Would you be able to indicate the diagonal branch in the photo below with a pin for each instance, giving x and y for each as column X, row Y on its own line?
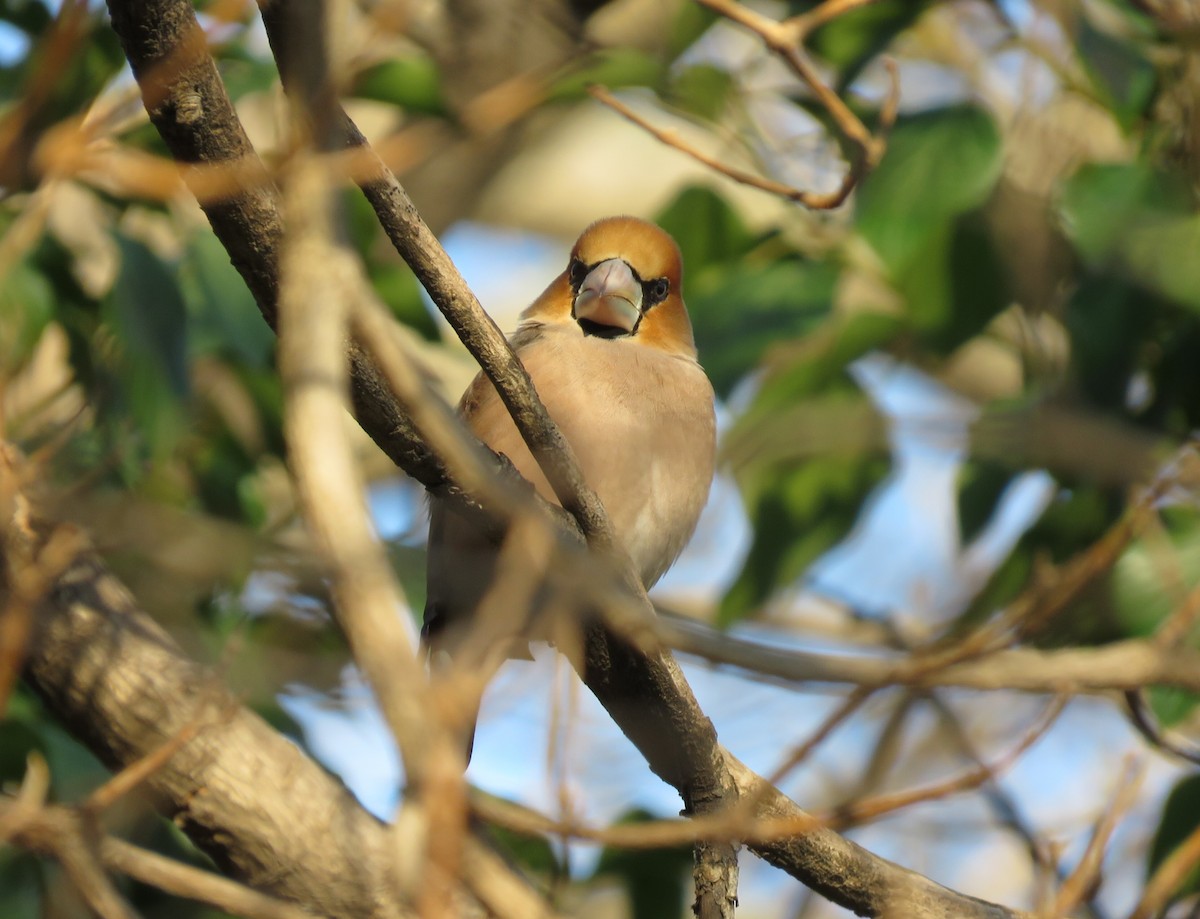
column 645, row 693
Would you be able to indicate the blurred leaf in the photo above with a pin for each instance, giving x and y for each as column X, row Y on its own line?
column 244, row 72
column 689, row 24
column 1138, row 220
column 853, row 40
column 74, row 771
column 20, row 885
column 1104, row 317
column 981, row 486
column 397, row 287
column 17, row 741
column 1180, row 817
column 801, row 510
column 701, row 89
column 956, row 285
column 611, row 67
column 223, row 318
column 654, row 878
column 410, row 82
column 740, row 311
column 938, row 165
column 837, row 423
column 83, row 63
column 26, row 308
column 798, row 513
column 707, row 230
column 1171, row 705
column 146, row 311
column 1153, row 575
column 1122, row 76
column 817, row 364
column 30, row 16
column 531, row 851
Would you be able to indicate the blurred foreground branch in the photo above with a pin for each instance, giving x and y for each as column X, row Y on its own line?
column 121, row 686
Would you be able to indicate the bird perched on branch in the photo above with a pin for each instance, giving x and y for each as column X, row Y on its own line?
column 610, row 351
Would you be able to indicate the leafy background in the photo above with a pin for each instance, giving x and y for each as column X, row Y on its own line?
column 1026, row 252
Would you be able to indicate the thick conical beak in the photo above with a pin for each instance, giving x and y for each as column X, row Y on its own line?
column 610, row 296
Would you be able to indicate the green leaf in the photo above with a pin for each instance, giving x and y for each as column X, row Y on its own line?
column 707, row 229
column 938, row 165
column 26, row 308
column 654, row 878
column 17, row 741
column 1149, row 577
column 1123, row 77
column 849, row 42
column 410, row 82
column 1104, row 316
column 222, row 315
column 955, row 286
column 817, row 364
column 20, row 885
column 30, row 16
column 1171, row 705
column 701, row 90
column 690, row 23
column 397, row 287
column 531, row 851
column 145, row 309
column 1139, row 222
column 798, row 514
column 611, row 67
column 1180, row 817
column 244, row 72
column 741, row 310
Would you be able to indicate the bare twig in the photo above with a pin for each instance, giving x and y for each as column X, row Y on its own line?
column 1087, row 873
column 181, row 880
column 139, row 770
column 1168, row 877
column 1122, row 665
column 64, row 835
column 867, row 809
column 815, row 200
column 46, row 828
column 785, row 39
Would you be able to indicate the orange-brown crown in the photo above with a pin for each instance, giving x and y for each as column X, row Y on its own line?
column 651, row 253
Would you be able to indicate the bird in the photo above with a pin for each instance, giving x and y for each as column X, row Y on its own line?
column 609, row 348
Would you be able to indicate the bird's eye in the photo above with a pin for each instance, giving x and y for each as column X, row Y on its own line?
column 656, row 291
column 576, row 272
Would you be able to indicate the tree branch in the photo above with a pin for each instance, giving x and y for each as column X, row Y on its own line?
column 645, row 694
column 1119, row 666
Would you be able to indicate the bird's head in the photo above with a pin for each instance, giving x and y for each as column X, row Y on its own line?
column 622, row 281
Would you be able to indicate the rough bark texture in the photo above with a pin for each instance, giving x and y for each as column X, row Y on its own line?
column 248, row 796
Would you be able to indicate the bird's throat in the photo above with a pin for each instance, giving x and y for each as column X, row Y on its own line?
column 598, row 330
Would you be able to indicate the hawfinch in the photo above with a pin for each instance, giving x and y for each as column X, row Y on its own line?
column 609, row 348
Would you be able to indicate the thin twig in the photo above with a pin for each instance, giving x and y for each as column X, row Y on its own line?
column 785, row 39
column 1168, row 877
column 804, row 23
column 872, row 808
column 1088, row 872
column 140, row 769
